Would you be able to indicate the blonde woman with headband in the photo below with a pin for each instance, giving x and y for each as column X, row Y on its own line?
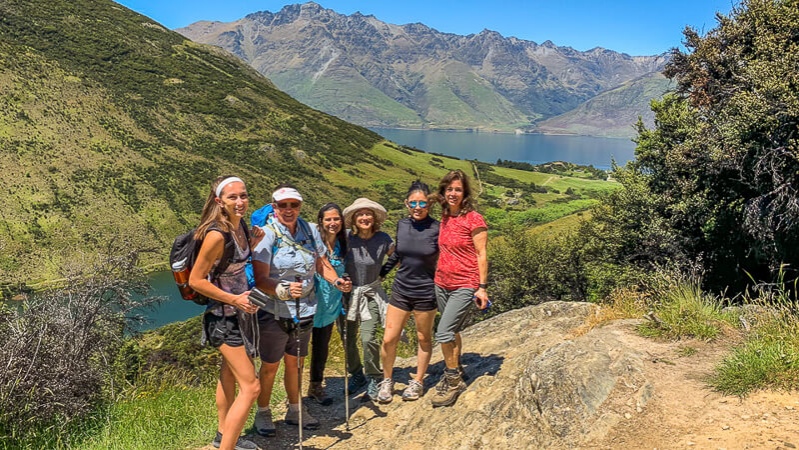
column 222, row 222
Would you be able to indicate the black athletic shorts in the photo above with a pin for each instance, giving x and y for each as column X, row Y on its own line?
column 412, row 304
column 220, row 330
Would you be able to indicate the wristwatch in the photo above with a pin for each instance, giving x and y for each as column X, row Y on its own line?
column 482, row 286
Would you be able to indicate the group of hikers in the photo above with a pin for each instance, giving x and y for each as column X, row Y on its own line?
column 310, row 277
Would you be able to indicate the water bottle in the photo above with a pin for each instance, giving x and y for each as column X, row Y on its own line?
column 181, row 271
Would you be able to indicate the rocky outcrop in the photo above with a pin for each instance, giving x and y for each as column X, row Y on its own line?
column 373, row 73
column 533, row 383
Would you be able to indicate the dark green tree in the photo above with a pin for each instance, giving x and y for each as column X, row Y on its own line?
column 722, row 161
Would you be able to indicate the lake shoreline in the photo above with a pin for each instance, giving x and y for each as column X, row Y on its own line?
column 496, row 131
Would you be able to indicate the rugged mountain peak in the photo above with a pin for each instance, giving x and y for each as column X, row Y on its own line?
column 374, row 73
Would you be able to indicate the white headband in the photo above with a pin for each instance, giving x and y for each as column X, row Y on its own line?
column 225, row 182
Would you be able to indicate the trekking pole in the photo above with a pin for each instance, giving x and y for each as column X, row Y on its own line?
column 298, row 279
column 344, row 307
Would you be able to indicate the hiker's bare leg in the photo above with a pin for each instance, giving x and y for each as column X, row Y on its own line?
column 241, row 366
column 267, row 378
column 290, row 378
column 424, row 334
column 225, row 392
column 395, row 322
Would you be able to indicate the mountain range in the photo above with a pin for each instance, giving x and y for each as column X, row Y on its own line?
column 377, row 74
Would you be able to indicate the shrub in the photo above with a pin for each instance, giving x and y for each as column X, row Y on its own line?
column 57, row 346
column 682, row 310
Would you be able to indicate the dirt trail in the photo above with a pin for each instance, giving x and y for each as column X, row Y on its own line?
column 685, row 414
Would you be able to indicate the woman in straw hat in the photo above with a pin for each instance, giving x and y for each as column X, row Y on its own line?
column 368, row 247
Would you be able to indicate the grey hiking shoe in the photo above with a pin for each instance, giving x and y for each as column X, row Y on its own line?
column 263, row 423
column 241, row 443
column 414, row 390
column 317, row 392
column 373, row 389
column 357, row 381
column 385, row 390
column 308, row 421
column 447, row 392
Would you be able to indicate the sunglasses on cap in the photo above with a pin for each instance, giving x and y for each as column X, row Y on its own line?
column 417, row 204
column 287, row 205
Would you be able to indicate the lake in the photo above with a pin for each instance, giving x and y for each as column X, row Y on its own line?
column 487, row 147
column 174, row 308
column 531, row 148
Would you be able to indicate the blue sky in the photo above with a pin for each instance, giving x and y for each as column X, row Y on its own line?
column 640, row 27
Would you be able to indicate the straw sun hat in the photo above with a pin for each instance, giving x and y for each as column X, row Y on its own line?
column 364, row 203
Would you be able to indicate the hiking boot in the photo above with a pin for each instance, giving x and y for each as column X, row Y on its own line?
column 308, row 421
column 373, row 389
column 263, row 423
column 462, row 372
column 385, row 390
column 357, row 381
column 414, row 390
column 241, row 443
column 317, row 392
column 447, row 392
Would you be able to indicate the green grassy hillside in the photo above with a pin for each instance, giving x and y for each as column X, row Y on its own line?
column 111, row 128
column 111, row 125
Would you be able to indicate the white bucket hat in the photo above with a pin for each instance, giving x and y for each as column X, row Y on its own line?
column 365, row 203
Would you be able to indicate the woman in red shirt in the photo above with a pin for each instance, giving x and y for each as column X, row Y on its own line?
column 461, row 276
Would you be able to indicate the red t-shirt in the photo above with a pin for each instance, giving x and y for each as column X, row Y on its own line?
column 457, row 260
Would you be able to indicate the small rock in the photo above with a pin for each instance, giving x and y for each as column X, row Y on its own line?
column 788, row 444
column 689, row 443
column 725, row 427
column 790, row 408
column 628, row 415
column 745, row 417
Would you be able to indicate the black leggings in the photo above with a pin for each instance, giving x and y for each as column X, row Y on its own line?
column 320, row 344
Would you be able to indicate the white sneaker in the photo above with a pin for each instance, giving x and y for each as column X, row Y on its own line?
column 414, row 390
column 385, row 391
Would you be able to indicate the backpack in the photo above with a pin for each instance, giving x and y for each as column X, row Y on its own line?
column 185, row 249
column 265, row 216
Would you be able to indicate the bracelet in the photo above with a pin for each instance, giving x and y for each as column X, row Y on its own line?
column 482, row 286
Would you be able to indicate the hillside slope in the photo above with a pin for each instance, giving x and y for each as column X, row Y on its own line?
column 111, row 127
column 378, row 74
column 612, row 113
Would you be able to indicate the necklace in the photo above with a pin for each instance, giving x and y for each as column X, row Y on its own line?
column 241, row 238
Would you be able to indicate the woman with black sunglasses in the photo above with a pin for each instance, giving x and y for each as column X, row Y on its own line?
column 412, row 292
